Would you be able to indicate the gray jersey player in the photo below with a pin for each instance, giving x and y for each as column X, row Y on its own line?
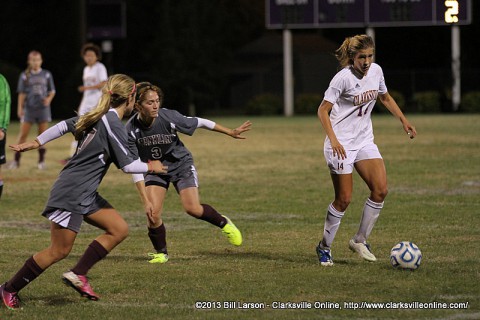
column 153, row 133
column 74, row 198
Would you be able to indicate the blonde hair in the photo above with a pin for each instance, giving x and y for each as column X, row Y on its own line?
column 115, row 92
column 350, row 46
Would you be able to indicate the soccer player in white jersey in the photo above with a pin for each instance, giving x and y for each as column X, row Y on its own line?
column 94, row 78
column 345, row 115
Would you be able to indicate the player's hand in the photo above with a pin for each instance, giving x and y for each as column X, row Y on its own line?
column 25, row 146
column 81, row 89
column 148, row 207
column 46, row 101
column 157, row 167
column 410, row 130
column 20, row 113
column 2, row 135
column 338, row 150
column 236, row 133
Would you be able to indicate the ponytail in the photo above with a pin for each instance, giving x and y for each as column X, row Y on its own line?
column 350, row 46
column 115, row 92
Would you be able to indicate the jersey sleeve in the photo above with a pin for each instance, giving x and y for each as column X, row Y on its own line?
column 21, row 83
column 50, row 83
column 181, row 123
column 102, row 73
column 335, row 88
column 382, row 88
column 132, row 146
column 117, row 140
column 5, row 100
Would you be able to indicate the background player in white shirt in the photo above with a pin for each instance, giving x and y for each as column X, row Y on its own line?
column 94, row 78
column 345, row 114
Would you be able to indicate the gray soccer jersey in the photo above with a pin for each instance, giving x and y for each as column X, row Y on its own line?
column 36, row 87
column 161, row 141
column 106, row 142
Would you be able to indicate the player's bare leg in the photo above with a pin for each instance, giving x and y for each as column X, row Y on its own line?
column 374, row 174
column 22, row 137
column 116, row 230
column 343, row 186
column 191, row 203
column 61, row 244
column 156, row 228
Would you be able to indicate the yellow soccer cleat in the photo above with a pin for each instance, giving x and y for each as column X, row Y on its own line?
column 233, row 234
column 158, row 257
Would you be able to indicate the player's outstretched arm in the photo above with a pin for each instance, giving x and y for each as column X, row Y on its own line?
column 26, row 146
column 234, row 133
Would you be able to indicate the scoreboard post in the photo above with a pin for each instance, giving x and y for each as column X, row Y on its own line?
column 311, row 14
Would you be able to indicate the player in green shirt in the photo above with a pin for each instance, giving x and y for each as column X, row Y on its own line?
column 4, row 121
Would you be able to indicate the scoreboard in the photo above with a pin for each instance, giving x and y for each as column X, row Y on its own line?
column 305, row 14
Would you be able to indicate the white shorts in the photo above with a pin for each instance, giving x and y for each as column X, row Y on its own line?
column 345, row 166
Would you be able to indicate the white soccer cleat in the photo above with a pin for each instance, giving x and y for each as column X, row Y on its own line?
column 41, row 165
column 363, row 250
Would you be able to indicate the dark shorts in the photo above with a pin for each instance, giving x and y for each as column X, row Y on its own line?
column 37, row 115
column 3, row 158
column 73, row 220
column 186, row 179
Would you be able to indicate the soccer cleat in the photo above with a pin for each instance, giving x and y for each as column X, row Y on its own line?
column 231, row 231
column 324, row 256
column 158, row 257
column 80, row 283
column 10, row 299
column 13, row 165
column 363, row 249
column 41, row 165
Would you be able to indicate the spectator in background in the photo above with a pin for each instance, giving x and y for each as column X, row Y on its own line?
column 35, row 94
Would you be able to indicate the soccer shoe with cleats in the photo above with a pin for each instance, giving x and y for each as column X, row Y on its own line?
column 41, row 166
column 363, row 250
column 80, row 283
column 324, row 256
column 10, row 299
column 233, row 234
column 158, row 257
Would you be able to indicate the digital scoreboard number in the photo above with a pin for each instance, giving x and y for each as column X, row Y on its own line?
column 398, row 13
column 365, row 13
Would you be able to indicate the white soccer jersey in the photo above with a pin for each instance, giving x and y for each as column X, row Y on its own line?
column 353, row 100
column 92, row 76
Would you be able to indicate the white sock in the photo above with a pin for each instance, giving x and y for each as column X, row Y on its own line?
column 332, row 222
column 371, row 211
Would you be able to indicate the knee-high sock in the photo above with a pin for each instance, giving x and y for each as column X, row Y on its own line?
column 211, row 215
column 1, row 188
column 332, row 222
column 158, row 237
column 41, row 154
column 94, row 253
column 29, row 272
column 371, row 211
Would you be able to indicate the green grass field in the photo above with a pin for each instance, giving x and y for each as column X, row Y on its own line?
column 275, row 186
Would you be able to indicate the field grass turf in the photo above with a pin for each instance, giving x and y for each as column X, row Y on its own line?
column 276, row 187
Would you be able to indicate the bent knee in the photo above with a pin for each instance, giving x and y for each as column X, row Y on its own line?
column 120, row 232
column 378, row 195
column 342, row 203
column 194, row 210
column 58, row 254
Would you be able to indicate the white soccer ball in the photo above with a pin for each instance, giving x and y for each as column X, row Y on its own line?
column 406, row 255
